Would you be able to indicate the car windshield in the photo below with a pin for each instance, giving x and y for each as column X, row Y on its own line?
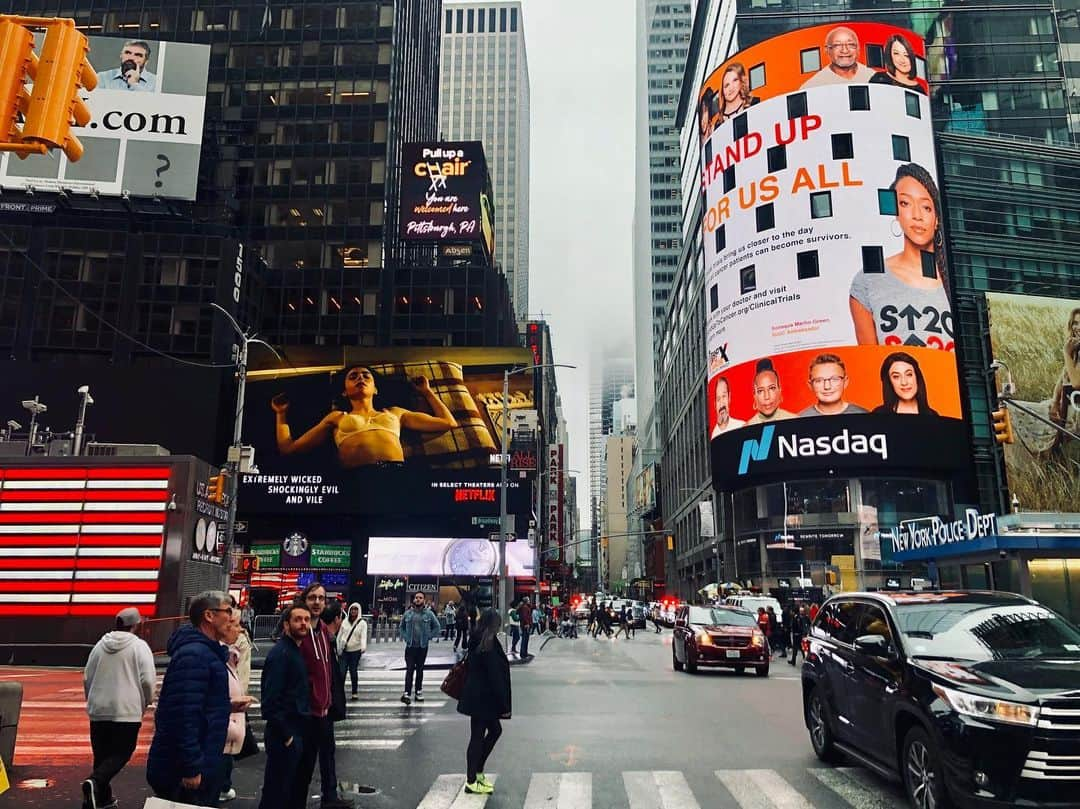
column 964, row 629
column 703, row 616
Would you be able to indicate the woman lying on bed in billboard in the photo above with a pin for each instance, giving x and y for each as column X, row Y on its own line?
column 906, row 302
column 364, row 434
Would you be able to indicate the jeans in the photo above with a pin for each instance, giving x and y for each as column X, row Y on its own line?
column 525, row 633
column 227, row 762
column 350, row 661
column 280, row 772
column 515, row 636
column 485, row 732
column 414, row 664
column 112, row 743
column 318, row 743
column 462, row 636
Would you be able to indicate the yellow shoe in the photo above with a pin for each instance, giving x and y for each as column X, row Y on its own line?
column 482, row 779
column 478, row 788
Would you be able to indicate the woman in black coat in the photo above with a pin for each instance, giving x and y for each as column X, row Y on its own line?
column 485, row 698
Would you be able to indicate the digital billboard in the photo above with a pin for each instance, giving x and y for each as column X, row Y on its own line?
column 146, row 126
column 826, row 278
column 382, row 431
column 1037, row 342
column 446, row 193
column 437, row 556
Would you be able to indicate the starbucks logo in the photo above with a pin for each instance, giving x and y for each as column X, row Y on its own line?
column 295, row 544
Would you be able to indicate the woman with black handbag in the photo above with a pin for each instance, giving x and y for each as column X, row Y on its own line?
column 485, row 698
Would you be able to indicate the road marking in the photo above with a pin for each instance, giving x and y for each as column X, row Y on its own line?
column 386, row 703
column 847, row 783
column 660, row 789
column 554, row 790
column 761, row 789
column 55, row 705
column 448, row 792
column 369, row 744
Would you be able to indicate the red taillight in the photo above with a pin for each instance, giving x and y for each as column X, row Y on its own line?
column 805, row 646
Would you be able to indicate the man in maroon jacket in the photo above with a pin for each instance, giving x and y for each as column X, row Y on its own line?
column 318, row 739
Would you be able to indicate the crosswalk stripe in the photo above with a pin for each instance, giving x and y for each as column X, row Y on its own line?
column 369, row 744
column 448, row 792
column 385, row 703
column 553, row 790
column 847, row 783
column 659, row 789
column 761, row 789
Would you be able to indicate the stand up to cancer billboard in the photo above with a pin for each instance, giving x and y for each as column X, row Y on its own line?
column 827, row 288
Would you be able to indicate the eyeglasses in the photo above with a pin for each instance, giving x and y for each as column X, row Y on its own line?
column 844, row 46
column 827, row 381
column 219, row 609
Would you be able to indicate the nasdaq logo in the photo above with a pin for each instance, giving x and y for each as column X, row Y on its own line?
column 756, row 449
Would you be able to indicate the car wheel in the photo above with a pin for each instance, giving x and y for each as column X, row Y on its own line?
column 921, row 769
column 675, row 664
column 691, row 666
column 821, row 735
column 762, row 671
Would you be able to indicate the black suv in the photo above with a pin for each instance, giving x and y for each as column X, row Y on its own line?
column 972, row 698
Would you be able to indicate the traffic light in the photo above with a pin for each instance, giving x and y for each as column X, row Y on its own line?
column 55, row 106
column 603, row 542
column 249, row 563
column 1003, row 429
column 670, row 542
column 17, row 64
column 215, row 488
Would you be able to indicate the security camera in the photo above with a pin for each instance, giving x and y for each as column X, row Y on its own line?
column 996, row 366
column 13, row 425
column 84, row 389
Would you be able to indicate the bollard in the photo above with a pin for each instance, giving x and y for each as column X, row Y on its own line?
column 11, row 697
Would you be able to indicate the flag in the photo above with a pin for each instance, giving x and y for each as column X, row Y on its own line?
column 78, row 541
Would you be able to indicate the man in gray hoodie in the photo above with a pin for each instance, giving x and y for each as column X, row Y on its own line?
column 119, row 683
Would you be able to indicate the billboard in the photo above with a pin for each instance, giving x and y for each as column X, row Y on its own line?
column 826, row 279
column 1037, row 341
column 146, row 125
column 437, row 556
column 446, row 193
column 382, row 431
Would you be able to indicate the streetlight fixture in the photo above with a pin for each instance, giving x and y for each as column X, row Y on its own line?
column 36, row 408
column 85, row 400
column 236, row 448
column 503, row 599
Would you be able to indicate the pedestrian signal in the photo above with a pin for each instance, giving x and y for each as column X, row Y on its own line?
column 215, row 488
column 1003, row 429
column 55, row 106
column 249, row 563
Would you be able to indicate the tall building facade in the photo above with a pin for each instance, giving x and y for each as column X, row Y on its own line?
column 615, row 528
column 612, row 380
column 663, row 34
column 1005, row 127
column 485, row 96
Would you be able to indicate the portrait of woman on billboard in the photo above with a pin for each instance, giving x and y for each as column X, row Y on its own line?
column 903, row 387
column 768, row 395
column 364, row 433
column 899, row 66
column 906, row 302
column 707, row 114
column 735, row 91
column 1067, row 390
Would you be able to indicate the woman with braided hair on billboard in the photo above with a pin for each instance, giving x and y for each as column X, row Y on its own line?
column 364, row 434
column 906, row 301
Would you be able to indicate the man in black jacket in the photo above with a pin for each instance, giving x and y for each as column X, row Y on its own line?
column 285, row 707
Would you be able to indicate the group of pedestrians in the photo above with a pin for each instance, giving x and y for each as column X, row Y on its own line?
column 787, row 634
column 606, row 619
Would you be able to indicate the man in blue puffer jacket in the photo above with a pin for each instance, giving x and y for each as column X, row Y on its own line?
column 184, row 763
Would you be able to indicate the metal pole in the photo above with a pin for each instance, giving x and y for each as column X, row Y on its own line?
column 503, row 602
column 233, row 462
column 80, row 424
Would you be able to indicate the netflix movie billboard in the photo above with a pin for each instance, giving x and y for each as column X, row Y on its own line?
column 382, row 431
column 145, row 132
column 826, row 286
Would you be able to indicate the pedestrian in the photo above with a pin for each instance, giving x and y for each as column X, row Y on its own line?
column 333, row 618
column 485, row 699
column 461, row 624
column 449, row 614
column 238, row 704
column 525, row 614
column 654, row 613
column 620, row 617
column 352, row 643
column 799, row 627
column 538, row 620
column 118, row 683
column 592, row 627
column 418, row 626
column 192, row 717
column 286, row 707
column 317, row 649
column 514, row 622
column 630, row 620
column 776, row 636
column 763, row 622
column 812, row 614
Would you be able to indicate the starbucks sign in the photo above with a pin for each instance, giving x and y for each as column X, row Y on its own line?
column 339, row 556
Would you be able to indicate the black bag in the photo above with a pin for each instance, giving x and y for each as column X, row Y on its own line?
column 250, row 746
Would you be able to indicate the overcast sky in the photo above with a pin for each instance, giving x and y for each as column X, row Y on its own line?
column 581, row 69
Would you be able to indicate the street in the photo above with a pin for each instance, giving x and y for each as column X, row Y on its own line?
column 597, row 723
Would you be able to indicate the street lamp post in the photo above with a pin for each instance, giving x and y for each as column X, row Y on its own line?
column 503, row 602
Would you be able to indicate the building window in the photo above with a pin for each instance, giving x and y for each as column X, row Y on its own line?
column 449, row 21
column 777, row 158
column 859, row 98
column 843, row 147
column 502, row 20
column 513, row 19
column 747, row 280
column 901, row 148
column 807, row 265
column 757, row 76
column 460, row 20
column 766, row 217
column 886, row 202
column 810, row 60
column 873, row 259
column 796, row 105
column 821, row 205
column 911, row 102
column 469, row 21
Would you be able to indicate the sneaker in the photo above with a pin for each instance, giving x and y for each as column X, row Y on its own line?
column 354, row 696
column 482, row 779
column 419, row 697
column 476, row 788
column 228, row 795
column 405, row 698
column 89, row 798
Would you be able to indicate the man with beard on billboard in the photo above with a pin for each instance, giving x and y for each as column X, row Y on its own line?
column 132, row 74
column 364, row 434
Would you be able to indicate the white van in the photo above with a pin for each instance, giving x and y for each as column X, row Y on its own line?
column 751, row 604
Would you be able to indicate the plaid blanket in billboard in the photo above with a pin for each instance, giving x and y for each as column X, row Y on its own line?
column 467, row 446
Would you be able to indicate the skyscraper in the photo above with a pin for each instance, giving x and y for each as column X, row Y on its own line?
column 612, row 380
column 663, row 35
column 485, row 97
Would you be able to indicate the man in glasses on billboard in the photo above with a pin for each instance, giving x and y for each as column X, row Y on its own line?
column 828, row 380
column 842, row 47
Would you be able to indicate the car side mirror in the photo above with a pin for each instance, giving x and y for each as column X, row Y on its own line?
column 874, row 645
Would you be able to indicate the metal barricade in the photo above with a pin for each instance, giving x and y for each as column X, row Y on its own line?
column 264, row 627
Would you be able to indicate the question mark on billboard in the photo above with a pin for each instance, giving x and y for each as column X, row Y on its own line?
column 166, row 164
